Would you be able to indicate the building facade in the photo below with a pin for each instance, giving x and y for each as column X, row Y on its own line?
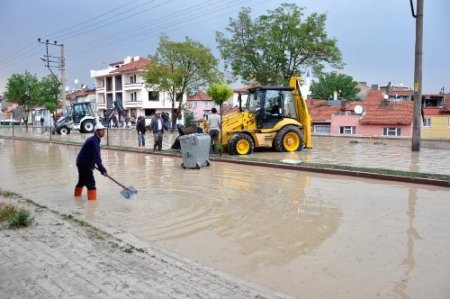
column 123, row 82
column 200, row 104
column 436, row 116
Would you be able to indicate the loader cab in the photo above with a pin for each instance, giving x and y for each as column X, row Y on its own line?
column 81, row 110
column 270, row 104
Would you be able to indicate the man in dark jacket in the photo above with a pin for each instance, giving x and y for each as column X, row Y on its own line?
column 158, row 130
column 140, row 128
column 88, row 157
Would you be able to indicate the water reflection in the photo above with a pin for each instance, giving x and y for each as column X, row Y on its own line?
column 409, row 262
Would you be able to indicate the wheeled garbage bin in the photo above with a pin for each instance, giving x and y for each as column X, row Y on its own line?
column 195, row 150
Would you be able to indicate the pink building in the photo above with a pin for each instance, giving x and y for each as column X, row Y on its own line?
column 375, row 116
column 200, row 104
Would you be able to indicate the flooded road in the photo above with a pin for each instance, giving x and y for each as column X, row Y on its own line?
column 306, row 235
column 388, row 153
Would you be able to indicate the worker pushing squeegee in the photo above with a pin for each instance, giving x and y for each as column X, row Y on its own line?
column 89, row 158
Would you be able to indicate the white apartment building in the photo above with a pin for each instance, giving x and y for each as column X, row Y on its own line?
column 123, row 82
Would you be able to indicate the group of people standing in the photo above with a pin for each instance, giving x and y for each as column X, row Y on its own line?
column 156, row 126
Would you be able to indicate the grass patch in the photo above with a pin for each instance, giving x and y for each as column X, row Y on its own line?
column 6, row 210
column 20, row 218
column 130, row 248
column 382, row 171
column 67, row 217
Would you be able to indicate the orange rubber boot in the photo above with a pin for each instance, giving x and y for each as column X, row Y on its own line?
column 92, row 194
column 78, row 191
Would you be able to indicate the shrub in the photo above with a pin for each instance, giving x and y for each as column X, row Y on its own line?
column 20, row 218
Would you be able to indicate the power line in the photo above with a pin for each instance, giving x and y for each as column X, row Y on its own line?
column 153, row 27
column 86, row 27
column 174, row 20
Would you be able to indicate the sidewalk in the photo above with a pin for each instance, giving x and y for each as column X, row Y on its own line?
column 59, row 256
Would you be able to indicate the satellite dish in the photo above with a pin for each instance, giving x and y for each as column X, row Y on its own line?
column 358, row 109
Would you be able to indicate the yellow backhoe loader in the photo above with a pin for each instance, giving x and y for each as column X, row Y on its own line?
column 273, row 117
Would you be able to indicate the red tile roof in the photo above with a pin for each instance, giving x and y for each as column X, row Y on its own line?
column 132, row 66
column 320, row 111
column 378, row 112
column 200, row 96
column 243, row 89
column 80, row 93
column 401, row 92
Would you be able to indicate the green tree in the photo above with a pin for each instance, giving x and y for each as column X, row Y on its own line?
column 278, row 45
column 49, row 90
column 178, row 67
column 23, row 89
column 219, row 93
column 329, row 83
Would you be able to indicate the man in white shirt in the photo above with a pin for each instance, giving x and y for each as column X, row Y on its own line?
column 214, row 128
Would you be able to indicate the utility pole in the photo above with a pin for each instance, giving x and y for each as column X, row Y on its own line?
column 417, row 114
column 63, row 75
column 58, row 62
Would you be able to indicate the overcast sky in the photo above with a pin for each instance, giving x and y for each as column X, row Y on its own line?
column 376, row 37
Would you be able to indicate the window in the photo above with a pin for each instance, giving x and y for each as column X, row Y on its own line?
column 391, row 132
column 347, row 130
column 133, row 97
column 194, row 105
column 133, row 79
column 433, row 101
column 322, row 129
column 207, row 103
column 179, row 96
column 109, row 84
column 100, row 83
column 427, row 122
column 153, row 95
column 118, row 81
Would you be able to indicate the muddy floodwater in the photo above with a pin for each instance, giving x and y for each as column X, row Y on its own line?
column 388, row 153
column 305, row 234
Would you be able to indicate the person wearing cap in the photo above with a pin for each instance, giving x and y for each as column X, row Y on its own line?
column 88, row 158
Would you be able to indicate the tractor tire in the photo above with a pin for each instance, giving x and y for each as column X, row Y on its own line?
column 288, row 139
column 241, row 144
column 87, row 126
column 64, row 130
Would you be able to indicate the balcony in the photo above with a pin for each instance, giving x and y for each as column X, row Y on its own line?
column 132, row 104
column 132, row 86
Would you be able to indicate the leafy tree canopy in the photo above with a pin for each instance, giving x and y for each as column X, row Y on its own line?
column 48, row 92
column 329, row 83
column 28, row 92
column 23, row 89
column 178, row 67
column 219, row 93
column 278, row 45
